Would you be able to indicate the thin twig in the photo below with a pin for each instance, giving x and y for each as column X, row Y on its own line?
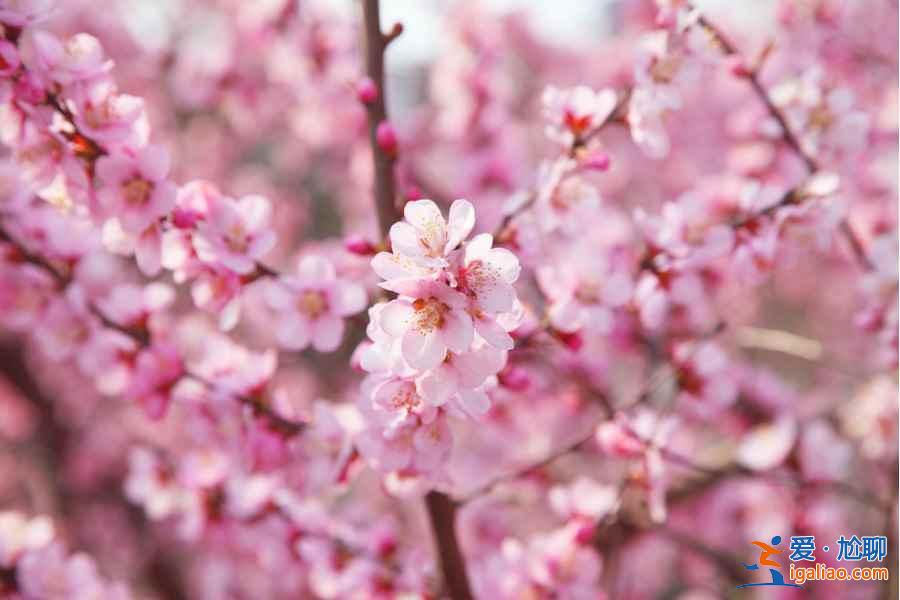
column 787, row 134
column 382, row 162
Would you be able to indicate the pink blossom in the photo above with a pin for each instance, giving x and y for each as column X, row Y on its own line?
column 425, row 237
column 312, row 305
column 486, row 275
column 156, row 372
column 430, row 318
column 135, row 190
column 460, row 377
column 19, row 13
column 236, row 233
column 105, row 115
column 79, row 58
column 574, row 113
column 584, row 294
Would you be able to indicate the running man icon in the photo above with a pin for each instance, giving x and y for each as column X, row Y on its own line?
column 766, row 551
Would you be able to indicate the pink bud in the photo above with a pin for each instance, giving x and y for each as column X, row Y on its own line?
column 664, row 20
column 386, row 138
column 572, row 341
column 599, row 161
column 413, row 192
column 737, row 67
column 514, row 378
column 185, row 219
column 386, row 546
column 359, row 245
column 584, row 532
column 366, row 90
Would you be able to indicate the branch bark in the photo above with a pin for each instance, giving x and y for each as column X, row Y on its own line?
column 442, row 514
column 382, row 162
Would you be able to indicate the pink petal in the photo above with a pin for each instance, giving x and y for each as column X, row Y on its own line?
column 474, row 402
column 327, row 333
column 148, row 252
column 279, row 296
column 294, row 333
column 313, row 268
column 348, row 298
column 437, row 385
column 154, row 162
column 423, row 351
column 492, row 333
column 255, row 211
column 457, row 332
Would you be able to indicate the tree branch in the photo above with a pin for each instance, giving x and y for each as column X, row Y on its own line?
column 729, row 49
column 441, row 508
column 442, row 514
column 382, row 162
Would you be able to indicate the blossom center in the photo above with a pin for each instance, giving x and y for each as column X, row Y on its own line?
column 430, row 314
column 431, row 236
column 137, row 191
column 588, row 292
column 478, row 277
column 821, row 118
column 405, row 398
column 312, row 303
column 576, row 124
column 236, row 238
column 664, row 70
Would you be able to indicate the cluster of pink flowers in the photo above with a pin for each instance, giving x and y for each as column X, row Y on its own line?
column 36, row 566
column 436, row 349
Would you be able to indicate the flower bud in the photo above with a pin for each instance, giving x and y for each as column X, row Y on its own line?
column 357, row 244
column 366, row 90
column 386, row 138
column 598, row 161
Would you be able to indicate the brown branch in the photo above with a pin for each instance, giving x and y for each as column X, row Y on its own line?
column 442, row 515
column 730, row 49
column 382, row 162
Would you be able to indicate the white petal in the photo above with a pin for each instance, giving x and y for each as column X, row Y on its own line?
column 462, row 220
column 396, row 317
column 422, row 214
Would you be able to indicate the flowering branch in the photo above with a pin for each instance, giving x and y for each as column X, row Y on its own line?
column 142, row 338
column 811, row 164
column 441, row 508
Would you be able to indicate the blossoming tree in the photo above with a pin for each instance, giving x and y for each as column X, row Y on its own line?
column 572, row 324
